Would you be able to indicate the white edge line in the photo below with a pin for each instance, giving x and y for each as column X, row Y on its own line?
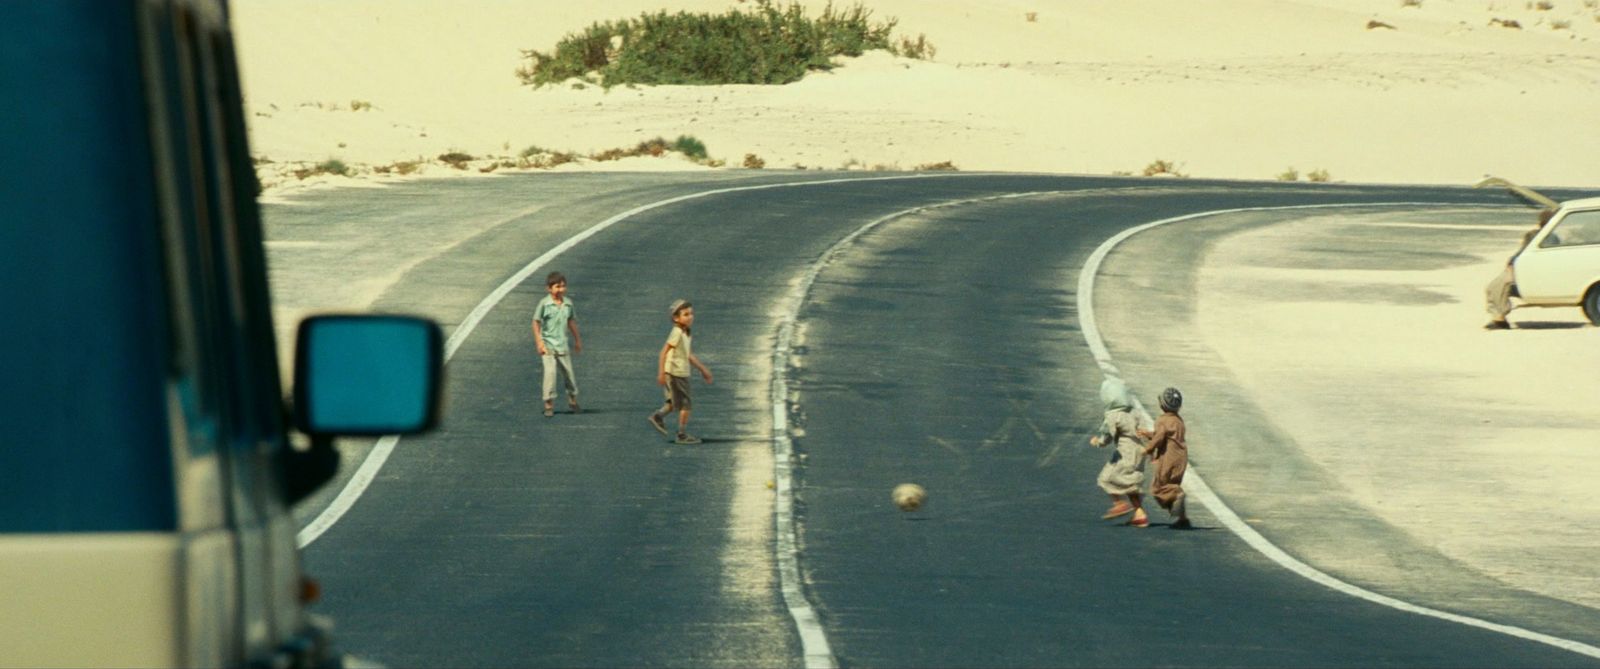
column 1206, row 496
column 814, row 641
column 357, row 485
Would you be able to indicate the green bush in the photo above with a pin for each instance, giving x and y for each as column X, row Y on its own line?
column 1159, row 167
column 768, row 44
column 690, row 147
column 332, row 166
column 456, row 159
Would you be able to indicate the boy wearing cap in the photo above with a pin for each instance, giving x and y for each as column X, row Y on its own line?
column 672, row 373
column 552, row 320
column 1171, row 454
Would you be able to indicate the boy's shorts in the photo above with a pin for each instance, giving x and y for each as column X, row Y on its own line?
column 677, row 392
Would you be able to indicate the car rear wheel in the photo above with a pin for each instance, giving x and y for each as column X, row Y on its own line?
column 1591, row 304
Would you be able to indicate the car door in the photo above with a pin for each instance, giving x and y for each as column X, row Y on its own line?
column 1562, row 261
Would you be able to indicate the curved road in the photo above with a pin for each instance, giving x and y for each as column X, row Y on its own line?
column 940, row 346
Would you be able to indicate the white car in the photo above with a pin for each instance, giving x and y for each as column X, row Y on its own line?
column 1561, row 265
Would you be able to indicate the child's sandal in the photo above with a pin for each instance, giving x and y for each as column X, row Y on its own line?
column 1118, row 509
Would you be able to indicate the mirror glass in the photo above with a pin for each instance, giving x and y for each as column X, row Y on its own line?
column 367, row 374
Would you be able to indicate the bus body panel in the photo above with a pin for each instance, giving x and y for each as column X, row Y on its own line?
column 80, row 397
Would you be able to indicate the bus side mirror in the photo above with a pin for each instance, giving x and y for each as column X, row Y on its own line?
column 367, row 375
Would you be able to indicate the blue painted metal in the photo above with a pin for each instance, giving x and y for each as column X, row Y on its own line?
column 83, row 443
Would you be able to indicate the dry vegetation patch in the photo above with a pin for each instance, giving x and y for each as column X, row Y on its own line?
column 767, row 43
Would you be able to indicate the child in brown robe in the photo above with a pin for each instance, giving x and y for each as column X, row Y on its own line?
column 1171, row 456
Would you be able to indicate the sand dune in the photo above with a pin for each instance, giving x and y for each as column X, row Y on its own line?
column 1240, row 89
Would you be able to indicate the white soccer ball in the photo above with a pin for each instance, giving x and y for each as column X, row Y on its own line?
column 909, row 496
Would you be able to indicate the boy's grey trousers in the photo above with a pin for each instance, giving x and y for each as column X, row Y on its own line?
column 564, row 361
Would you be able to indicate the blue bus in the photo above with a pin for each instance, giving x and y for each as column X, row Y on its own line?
column 146, row 465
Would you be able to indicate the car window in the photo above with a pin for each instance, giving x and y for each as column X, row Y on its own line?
column 1575, row 229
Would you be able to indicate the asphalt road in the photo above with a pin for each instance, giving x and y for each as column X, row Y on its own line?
column 941, row 346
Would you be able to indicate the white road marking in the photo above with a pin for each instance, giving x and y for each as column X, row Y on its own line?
column 1204, row 494
column 813, row 641
column 380, row 453
column 818, row 654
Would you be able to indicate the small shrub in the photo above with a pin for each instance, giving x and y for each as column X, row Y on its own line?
column 753, row 161
column 332, row 166
column 1561, row 25
column 1410, row 3
column 404, row 167
column 489, row 168
column 651, row 147
column 654, row 147
column 1289, row 175
column 1544, row 5
column 919, row 48
column 533, row 150
column 766, row 43
column 456, row 159
column 945, row 166
column 360, row 105
column 1506, row 23
column 329, row 166
column 1159, row 167
column 1319, row 175
column 1032, row 17
column 689, row 146
column 1375, row 24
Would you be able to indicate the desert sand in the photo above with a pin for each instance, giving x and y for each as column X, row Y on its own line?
column 1477, row 443
column 1247, row 89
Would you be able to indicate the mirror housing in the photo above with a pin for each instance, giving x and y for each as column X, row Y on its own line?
column 367, row 375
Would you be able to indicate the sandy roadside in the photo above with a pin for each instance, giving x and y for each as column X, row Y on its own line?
column 1362, row 338
column 1344, row 399
column 1250, row 89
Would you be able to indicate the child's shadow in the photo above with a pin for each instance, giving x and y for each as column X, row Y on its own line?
column 1191, row 528
column 1548, row 325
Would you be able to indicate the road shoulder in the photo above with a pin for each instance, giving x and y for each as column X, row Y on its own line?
column 1343, row 400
